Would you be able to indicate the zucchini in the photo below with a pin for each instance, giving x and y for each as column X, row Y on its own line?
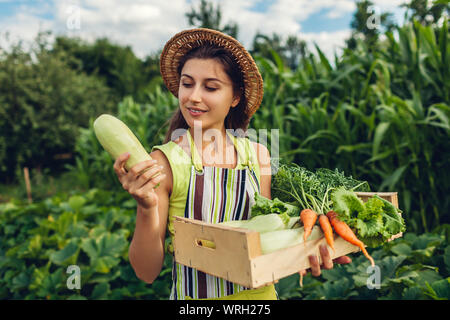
column 116, row 138
column 261, row 223
column 280, row 239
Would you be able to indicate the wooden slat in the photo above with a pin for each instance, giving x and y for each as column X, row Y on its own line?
column 270, row 267
column 389, row 196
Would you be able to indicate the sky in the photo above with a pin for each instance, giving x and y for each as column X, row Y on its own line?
column 146, row 25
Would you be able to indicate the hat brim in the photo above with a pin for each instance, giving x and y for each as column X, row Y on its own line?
column 185, row 41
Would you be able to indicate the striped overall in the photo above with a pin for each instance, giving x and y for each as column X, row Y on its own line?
column 214, row 195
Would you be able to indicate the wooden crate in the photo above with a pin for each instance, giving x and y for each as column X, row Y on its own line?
column 237, row 254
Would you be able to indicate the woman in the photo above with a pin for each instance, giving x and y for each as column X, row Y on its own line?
column 207, row 169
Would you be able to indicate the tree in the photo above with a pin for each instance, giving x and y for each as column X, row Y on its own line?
column 295, row 50
column 43, row 103
column 263, row 44
column 427, row 12
column 291, row 50
column 208, row 16
column 367, row 24
column 117, row 65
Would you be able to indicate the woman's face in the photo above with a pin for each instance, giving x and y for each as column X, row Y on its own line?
column 205, row 87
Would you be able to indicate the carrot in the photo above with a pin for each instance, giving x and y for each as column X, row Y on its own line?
column 308, row 218
column 327, row 230
column 344, row 231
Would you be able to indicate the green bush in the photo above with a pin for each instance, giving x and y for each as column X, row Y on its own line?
column 116, row 65
column 38, row 243
column 43, row 104
column 93, row 230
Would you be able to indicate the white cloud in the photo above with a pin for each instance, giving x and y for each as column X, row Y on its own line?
column 328, row 42
column 340, row 8
column 146, row 25
column 387, row 5
column 283, row 16
column 143, row 25
column 302, row 9
column 22, row 27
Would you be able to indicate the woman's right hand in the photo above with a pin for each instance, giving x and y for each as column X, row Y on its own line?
column 140, row 186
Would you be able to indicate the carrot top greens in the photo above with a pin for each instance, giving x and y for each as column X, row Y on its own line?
column 307, row 189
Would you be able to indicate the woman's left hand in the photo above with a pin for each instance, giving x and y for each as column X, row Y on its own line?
column 327, row 262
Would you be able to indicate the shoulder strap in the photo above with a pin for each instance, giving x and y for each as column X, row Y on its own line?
column 196, row 159
column 242, row 147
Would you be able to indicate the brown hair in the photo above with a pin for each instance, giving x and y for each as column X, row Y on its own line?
column 237, row 117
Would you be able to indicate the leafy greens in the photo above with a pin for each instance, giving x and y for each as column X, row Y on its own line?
column 375, row 221
column 264, row 206
column 322, row 190
column 301, row 187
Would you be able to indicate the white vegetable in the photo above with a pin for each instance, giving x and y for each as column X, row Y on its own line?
column 276, row 240
column 116, row 138
column 276, row 231
column 262, row 223
column 292, row 222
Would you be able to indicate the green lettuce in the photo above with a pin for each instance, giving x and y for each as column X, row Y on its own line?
column 264, row 206
column 374, row 221
column 347, row 205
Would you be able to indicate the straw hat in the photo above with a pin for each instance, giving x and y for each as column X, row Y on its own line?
column 185, row 41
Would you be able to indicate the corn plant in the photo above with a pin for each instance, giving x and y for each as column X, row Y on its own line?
column 380, row 115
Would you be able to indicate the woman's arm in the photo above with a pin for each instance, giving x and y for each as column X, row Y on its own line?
column 146, row 252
